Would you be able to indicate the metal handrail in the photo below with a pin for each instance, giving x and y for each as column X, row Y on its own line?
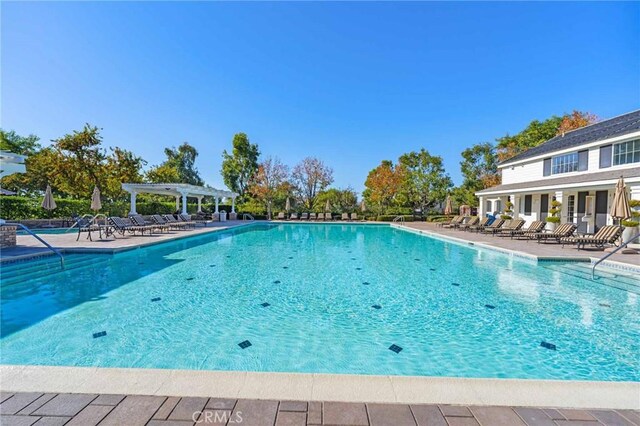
column 603, row 258
column 399, row 218
column 78, row 220
column 247, row 215
column 28, row 231
column 98, row 216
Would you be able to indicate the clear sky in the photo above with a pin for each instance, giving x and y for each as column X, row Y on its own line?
column 350, row 83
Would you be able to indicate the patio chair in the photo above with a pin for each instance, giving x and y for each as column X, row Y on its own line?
column 174, row 222
column 496, row 224
column 293, row 216
column 84, row 225
column 185, row 218
column 606, row 235
column 159, row 220
column 312, row 216
column 328, row 217
column 535, row 228
column 345, row 216
column 304, row 216
column 473, row 220
column 354, row 217
column 565, row 230
column 281, row 216
column 120, row 226
column 483, row 223
column 455, row 219
column 507, row 228
column 138, row 220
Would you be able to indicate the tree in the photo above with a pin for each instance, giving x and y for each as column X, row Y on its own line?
column 383, row 184
column 122, row 166
column 342, row 200
column 424, row 181
column 269, row 181
column 310, row 177
column 575, row 120
column 179, row 167
column 479, row 167
column 239, row 167
column 23, row 145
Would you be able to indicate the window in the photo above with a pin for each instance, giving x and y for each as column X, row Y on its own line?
column 571, row 205
column 527, row 204
column 626, row 152
column 605, row 156
column 564, row 163
column 546, row 167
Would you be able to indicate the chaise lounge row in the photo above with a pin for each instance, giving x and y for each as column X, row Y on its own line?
column 318, row 217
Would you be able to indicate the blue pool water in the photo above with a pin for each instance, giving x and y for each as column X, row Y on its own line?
column 339, row 296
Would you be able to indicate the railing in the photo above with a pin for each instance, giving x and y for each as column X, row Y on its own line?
column 399, row 218
column 247, row 216
column 84, row 216
column 603, row 258
column 28, row 231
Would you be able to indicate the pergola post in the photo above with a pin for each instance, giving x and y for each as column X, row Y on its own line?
column 184, row 202
column 132, row 210
column 216, row 197
column 177, row 203
column 233, row 204
column 200, row 204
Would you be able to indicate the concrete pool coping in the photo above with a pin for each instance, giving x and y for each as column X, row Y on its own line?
column 321, row 387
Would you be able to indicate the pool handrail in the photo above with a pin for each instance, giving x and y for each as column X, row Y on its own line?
column 399, row 218
column 603, row 258
column 49, row 246
column 247, row 216
column 84, row 216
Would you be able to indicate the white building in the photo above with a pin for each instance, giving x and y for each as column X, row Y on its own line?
column 578, row 169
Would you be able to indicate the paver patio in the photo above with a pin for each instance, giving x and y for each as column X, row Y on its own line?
column 87, row 410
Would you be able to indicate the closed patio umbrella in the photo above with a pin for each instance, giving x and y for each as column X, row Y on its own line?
column 448, row 206
column 327, row 207
column 96, row 204
column 287, row 205
column 620, row 207
column 48, row 203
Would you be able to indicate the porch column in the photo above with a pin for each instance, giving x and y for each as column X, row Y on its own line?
column 177, row 203
column 132, row 210
column 233, row 204
column 199, row 204
column 216, row 197
column 564, row 209
column 184, row 203
column 515, row 200
column 481, row 212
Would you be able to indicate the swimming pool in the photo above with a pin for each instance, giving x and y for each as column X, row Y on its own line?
column 334, row 298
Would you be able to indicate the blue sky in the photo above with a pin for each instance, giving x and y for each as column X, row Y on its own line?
column 350, row 83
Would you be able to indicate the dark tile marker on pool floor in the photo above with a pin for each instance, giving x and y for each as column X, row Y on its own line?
column 265, row 304
column 489, row 306
column 190, row 278
column 245, row 344
column 155, row 299
column 285, row 267
column 605, row 305
column 99, row 334
column 276, row 282
column 548, row 345
column 366, row 283
column 395, row 348
column 376, row 306
column 212, row 266
column 456, row 284
column 431, row 269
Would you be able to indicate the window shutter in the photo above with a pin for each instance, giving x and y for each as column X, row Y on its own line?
column 583, row 160
column 605, row 156
column 546, row 168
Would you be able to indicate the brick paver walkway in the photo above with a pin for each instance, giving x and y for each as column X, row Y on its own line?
column 40, row 409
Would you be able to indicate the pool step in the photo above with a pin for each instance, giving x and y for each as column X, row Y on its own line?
column 23, row 272
column 617, row 279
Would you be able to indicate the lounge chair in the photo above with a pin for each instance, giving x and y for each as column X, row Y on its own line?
column 138, row 220
column 85, row 225
column 173, row 221
column 507, row 228
column 483, row 223
column 281, row 216
column 293, row 216
column 606, row 235
column 159, row 220
column 474, row 220
column 121, row 226
column 304, row 216
column 328, row 217
column 535, row 228
column 345, row 216
column 312, row 216
column 354, row 216
column 496, row 224
column 565, row 230
column 186, row 218
column 455, row 219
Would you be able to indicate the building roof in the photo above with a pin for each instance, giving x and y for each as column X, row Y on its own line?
column 608, row 177
column 176, row 189
column 617, row 126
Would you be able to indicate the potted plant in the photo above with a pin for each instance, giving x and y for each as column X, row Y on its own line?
column 554, row 219
column 508, row 213
column 631, row 225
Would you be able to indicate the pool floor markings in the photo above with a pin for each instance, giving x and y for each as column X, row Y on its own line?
column 245, row 344
column 489, row 306
column 155, row 299
column 99, row 334
column 395, row 348
column 548, row 345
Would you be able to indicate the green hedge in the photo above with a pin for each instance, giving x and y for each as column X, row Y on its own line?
column 389, row 218
column 18, row 208
column 439, row 218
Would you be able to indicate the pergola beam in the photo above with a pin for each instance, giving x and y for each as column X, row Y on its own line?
column 178, row 190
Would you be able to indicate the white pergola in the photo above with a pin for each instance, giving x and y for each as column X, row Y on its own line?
column 179, row 190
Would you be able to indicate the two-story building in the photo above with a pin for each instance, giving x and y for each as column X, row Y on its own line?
column 578, row 169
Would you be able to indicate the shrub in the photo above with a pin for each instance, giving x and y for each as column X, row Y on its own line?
column 553, row 219
column 630, row 223
column 505, row 217
column 439, row 218
column 389, row 218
